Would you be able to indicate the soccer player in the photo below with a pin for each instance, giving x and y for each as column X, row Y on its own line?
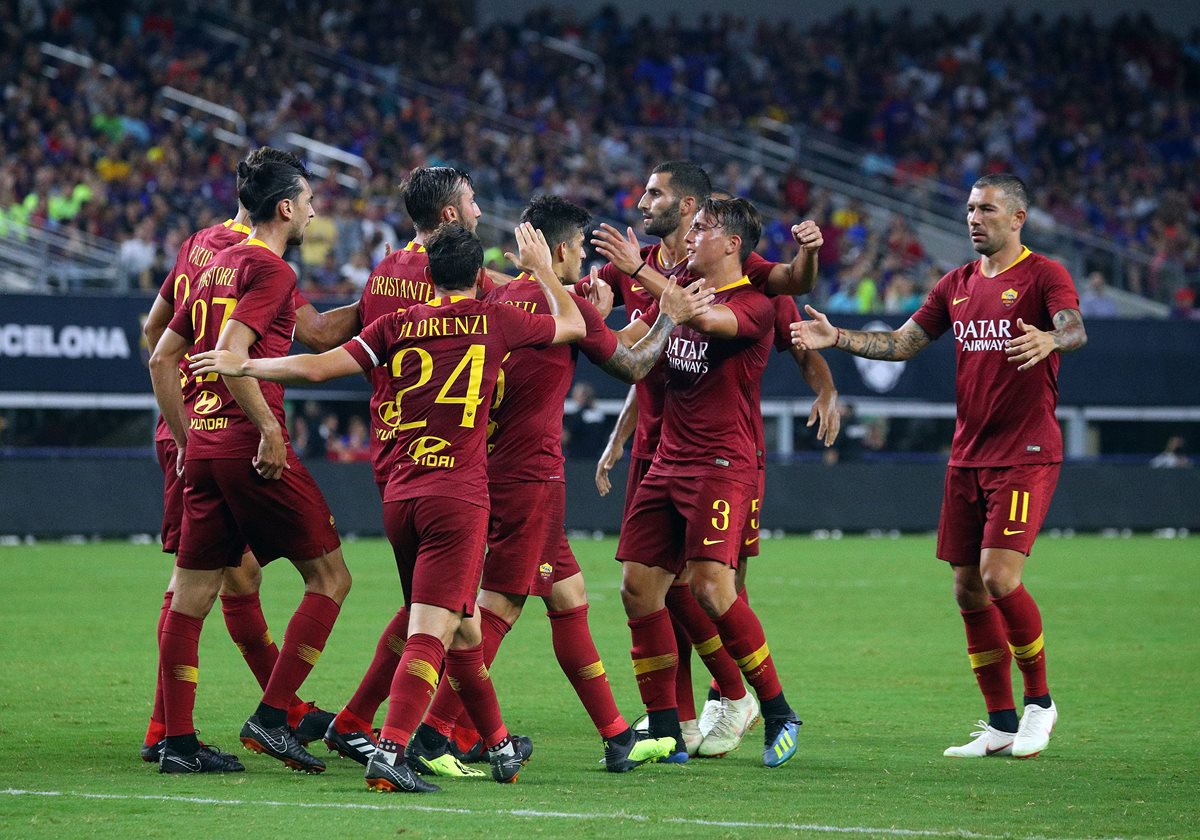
column 528, row 553
column 240, row 603
column 444, row 360
column 674, row 192
column 1010, row 310
column 690, row 508
column 243, row 483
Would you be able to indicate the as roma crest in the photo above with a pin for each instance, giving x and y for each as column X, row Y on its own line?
column 1008, row 297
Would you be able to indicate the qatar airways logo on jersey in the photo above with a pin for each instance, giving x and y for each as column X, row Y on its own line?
column 983, row 334
column 688, row 355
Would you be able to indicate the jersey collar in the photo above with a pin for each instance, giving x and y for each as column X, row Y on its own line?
column 745, row 281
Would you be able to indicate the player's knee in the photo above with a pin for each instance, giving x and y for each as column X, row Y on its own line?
column 1000, row 582
column 970, row 593
column 327, row 576
column 711, row 594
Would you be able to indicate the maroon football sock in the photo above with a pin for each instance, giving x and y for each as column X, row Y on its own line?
column 303, row 642
column 248, row 628
column 706, row 639
column 179, row 663
column 654, row 659
column 743, row 635
column 415, row 680
column 685, row 699
column 469, row 677
column 157, row 729
column 1025, row 640
column 580, row 661
column 377, row 681
column 743, row 596
column 988, row 651
column 446, row 710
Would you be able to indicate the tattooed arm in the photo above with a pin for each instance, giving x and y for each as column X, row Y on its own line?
column 894, row 346
column 1033, row 344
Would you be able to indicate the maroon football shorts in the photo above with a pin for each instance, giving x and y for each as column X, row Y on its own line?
column 993, row 507
column 675, row 519
column 439, row 543
column 526, row 541
column 638, row 467
column 227, row 505
column 753, row 518
column 172, row 520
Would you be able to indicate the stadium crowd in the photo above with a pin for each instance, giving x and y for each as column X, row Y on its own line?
column 92, row 149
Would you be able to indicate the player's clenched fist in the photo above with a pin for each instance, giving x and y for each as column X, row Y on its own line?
column 808, row 235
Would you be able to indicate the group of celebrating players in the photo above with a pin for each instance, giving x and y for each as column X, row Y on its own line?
column 469, row 370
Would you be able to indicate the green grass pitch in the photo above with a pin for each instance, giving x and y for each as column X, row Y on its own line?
column 865, row 634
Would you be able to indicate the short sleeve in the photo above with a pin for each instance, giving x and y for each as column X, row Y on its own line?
column 369, row 348
column 598, row 343
column 786, row 314
column 181, row 323
column 522, row 329
column 262, row 300
column 1058, row 289
column 754, row 313
column 934, row 314
column 758, row 270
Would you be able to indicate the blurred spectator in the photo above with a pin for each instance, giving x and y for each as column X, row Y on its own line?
column 1095, row 302
column 138, row 254
column 354, row 274
column 354, row 445
column 585, row 429
column 1172, row 455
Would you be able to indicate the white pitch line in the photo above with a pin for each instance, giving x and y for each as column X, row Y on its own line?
column 519, row 812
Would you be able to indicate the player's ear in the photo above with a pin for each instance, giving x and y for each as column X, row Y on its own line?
column 735, row 244
column 560, row 252
column 450, row 213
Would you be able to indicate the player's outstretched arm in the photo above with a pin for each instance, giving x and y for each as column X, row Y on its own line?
column 321, row 331
column 626, row 254
column 622, row 431
column 824, row 411
column 290, row 370
column 1033, row 344
column 534, row 257
column 800, row 275
column 164, row 377
column 631, row 361
column 894, row 346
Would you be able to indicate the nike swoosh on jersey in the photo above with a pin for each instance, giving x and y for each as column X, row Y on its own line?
column 1009, row 533
column 707, row 541
column 957, row 301
column 636, row 288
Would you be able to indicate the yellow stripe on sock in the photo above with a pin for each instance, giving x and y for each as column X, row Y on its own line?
column 1030, row 650
column 266, row 638
column 186, row 673
column 749, row 663
column 590, row 672
column 241, row 648
column 482, row 673
column 454, row 684
column 308, row 653
column 421, row 668
column 395, row 644
column 985, row 658
column 708, row 646
column 654, row 663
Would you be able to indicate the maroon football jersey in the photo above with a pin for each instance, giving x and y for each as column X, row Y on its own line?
column 525, row 427
column 251, row 284
column 443, row 359
column 711, row 412
column 194, row 254
column 1005, row 415
column 398, row 282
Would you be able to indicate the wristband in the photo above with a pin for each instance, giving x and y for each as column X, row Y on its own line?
column 637, row 270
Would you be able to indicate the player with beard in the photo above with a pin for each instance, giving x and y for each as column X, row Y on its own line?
column 1010, row 310
column 243, row 483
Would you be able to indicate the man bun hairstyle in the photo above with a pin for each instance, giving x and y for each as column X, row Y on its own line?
column 737, row 217
column 428, row 190
column 266, row 177
column 687, row 178
column 557, row 218
column 455, row 257
column 1010, row 185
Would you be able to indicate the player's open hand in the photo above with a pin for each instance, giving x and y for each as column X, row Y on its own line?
column 608, row 460
column 825, row 414
column 599, row 293
column 808, row 236
column 1030, row 348
column 816, row 334
column 271, row 460
column 180, row 457
column 223, row 362
column 683, row 303
column 533, row 253
column 622, row 251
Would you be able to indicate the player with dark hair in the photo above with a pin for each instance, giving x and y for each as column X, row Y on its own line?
column 1009, row 311
column 444, row 359
column 240, row 603
column 674, row 193
column 690, row 508
column 528, row 553
column 243, row 483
